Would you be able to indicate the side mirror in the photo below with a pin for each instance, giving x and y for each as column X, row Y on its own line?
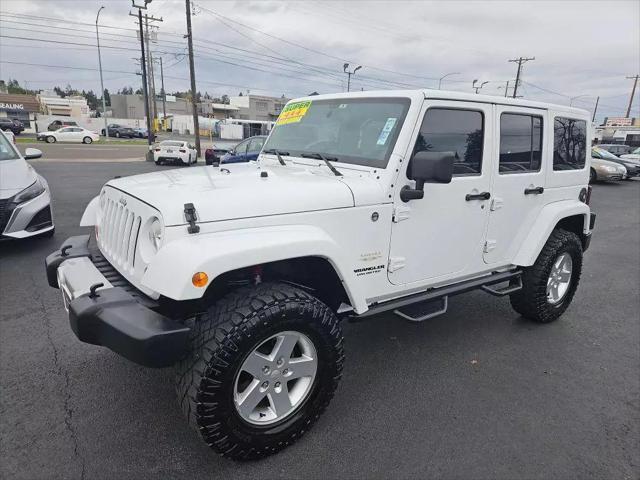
column 428, row 167
column 31, row 153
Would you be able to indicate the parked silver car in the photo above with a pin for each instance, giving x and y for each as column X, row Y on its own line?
column 25, row 199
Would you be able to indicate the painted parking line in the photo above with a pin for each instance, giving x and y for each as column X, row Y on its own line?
column 88, row 160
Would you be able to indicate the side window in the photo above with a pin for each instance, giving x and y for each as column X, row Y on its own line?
column 457, row 131
column 520, row 143
column 569, row 143
column 255, row 145
column 241, row 148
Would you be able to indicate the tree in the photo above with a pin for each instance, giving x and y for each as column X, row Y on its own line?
column 107, row 97
column 92, row 99
column 123, row 91
column 59, row 92
column 225, row 99
column 139, row 91
column 14, row 87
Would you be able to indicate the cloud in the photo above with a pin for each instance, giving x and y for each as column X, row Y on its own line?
column 581, row 47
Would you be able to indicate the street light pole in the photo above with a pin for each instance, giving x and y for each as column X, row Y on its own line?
column 104, row 103
column 345, row 68
column 445, row 76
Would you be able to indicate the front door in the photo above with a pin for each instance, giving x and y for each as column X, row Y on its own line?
column 442, row 234
column 518, row 180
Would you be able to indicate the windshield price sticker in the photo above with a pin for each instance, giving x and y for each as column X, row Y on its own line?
column 386, row 130
column 293, row 112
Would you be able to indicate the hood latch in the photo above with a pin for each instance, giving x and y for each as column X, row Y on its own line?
column 191, row 217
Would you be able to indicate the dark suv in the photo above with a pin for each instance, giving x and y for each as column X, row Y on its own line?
column 58, row 124
column 119, row 131
column 13, row 125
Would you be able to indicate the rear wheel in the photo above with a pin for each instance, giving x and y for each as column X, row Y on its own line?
column 549, row 284
column 117, row 134
column 51, row 139
column 264, row 364
column 593, row 176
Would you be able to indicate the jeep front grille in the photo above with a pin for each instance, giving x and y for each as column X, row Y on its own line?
column 118, row 233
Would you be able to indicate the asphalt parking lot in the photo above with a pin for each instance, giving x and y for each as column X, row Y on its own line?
column 476, row 393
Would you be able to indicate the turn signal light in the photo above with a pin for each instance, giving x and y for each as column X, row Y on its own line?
column 200, row 279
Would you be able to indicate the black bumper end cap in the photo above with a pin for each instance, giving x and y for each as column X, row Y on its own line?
column 116, row 320
column 72, row 247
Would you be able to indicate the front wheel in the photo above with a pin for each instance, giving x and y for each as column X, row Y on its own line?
column 87, row 140
column 51, row 139
column 264, row 364
column 549, row 284
column 117, row 134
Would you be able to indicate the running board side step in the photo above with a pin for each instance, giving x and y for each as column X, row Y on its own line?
column 439, row 296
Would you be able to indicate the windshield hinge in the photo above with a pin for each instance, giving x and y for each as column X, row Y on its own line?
column 190, row 216
column 396, row 263
column 401, row 212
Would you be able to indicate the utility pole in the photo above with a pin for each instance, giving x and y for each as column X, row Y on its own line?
column 520, row 61
column 345, row 68
column 595, row 109
column 164, row 94
column 144, row 76
column 633, row 92
column 192, row 70
column 104, row 103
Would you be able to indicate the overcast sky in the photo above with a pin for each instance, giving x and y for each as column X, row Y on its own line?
column 581, row 48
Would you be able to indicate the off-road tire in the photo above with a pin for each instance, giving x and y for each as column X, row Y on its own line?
column 222, row 337
column 531, row 301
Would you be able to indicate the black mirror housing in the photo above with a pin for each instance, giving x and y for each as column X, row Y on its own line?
column 428, row 167
column 432, row 167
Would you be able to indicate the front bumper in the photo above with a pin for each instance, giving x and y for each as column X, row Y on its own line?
column 28, row 219
column 110, row 315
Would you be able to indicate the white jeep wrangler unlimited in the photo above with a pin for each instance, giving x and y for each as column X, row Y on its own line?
column 359, row 204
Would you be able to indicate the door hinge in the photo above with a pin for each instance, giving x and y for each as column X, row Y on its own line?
column 490, row 245
column 396, row 263
column 401, row 212
column 496, row 203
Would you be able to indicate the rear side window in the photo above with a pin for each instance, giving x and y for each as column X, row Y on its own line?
column 454, row 130
column 569, row 143
column 520, row 143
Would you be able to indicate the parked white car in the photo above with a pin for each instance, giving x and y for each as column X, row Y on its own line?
column 175, row 151
column 359, row 203
column 69, row 134
column 25, row 199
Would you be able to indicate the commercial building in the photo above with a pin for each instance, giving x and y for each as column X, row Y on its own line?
column 132, row 106
column 72, row 106
column 219, row 111
column 20, row 107
column 258, row 107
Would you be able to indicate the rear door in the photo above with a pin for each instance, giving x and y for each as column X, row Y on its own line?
column 518, row 188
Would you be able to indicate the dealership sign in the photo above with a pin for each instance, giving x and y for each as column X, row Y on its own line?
column 11, row 106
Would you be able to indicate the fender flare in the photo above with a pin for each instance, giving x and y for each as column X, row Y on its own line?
column 172, row 268
column 89, row 217
column 546, row 221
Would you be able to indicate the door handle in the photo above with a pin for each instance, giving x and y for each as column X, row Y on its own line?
column 477, row 196
column 533, row 191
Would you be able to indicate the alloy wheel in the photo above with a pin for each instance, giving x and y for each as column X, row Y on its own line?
column 559, row 278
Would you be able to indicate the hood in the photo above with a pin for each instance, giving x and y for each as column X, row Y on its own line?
column 241, row 191
column 15, row 176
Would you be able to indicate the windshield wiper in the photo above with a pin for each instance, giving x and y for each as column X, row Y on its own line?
column 326, row 160
column 271, row 151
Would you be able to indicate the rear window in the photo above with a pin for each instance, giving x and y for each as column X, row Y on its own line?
column 569, row 143
column 171, row 144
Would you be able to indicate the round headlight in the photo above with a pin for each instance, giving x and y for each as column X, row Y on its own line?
column 150, row 240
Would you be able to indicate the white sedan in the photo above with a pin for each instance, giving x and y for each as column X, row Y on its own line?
column 175, row 151
column 69, row 134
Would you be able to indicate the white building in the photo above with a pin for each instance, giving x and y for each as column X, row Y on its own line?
column 73, row 106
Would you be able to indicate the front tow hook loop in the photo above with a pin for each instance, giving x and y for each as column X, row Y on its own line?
column 93, row 288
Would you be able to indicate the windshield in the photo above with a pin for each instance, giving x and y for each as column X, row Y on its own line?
column 362, row 131
column 7, row 151
column 604, row 154
column 636, row 151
